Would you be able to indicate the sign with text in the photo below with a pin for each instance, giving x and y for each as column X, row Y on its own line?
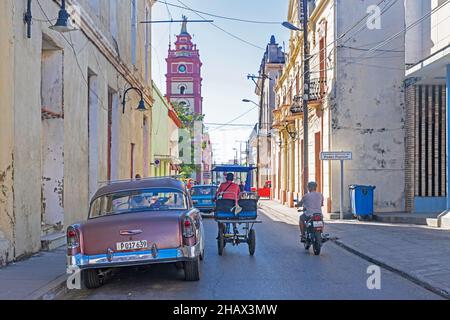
column 342, row 155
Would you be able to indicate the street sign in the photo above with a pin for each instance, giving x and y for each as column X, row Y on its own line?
column 342, row 155
column 338, row 156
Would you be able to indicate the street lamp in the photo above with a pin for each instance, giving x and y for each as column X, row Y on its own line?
column 251, row 101
column 141, row 107
column 290, row 26
column 63, row 24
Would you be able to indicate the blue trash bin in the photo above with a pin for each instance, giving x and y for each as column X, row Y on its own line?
column 361, row 199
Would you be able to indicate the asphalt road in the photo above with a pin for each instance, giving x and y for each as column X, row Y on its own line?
column 280, row 270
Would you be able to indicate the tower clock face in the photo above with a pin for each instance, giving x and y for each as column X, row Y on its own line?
column 182, row 68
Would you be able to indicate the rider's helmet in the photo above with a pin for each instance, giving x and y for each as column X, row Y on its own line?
column 312, row 186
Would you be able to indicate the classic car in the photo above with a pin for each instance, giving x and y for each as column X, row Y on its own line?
column 137, row 222
column 204, row 197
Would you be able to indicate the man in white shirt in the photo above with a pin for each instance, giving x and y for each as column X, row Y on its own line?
column 313, row 203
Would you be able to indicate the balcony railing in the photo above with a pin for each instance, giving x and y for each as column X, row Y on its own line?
column 318, row 89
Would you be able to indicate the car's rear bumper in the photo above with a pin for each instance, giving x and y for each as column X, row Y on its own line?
column 204, row 208
column 123, row 259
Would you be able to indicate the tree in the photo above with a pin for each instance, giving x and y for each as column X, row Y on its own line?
column 188, row 119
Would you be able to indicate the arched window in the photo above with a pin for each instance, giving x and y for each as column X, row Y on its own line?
column 182, row 90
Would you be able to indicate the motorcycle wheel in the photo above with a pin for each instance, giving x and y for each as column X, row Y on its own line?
column 317, row 244
column 307, row 243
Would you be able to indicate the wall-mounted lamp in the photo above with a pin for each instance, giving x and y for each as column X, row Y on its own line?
column 63, row 24
column 141, row 107
column 290, row 129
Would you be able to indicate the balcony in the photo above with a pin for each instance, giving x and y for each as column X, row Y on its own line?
column 318, row 89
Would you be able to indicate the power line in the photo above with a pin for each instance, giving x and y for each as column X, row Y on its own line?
column 223, row 30
column 237, row 118
column 412, row 25
column 229, row 125
column 222, row 17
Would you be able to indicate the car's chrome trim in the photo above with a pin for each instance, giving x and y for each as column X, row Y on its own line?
column 117, row 259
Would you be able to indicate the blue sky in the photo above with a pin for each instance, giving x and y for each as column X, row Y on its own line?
column 226, row 61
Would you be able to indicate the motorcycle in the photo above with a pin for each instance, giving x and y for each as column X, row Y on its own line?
column 314, row 235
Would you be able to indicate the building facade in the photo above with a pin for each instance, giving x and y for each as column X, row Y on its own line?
column 270, row 68
column 183, row 78
column 62, row 129
column 427, row 55
column 356, row 104
column 184, row 88
column 164, row 136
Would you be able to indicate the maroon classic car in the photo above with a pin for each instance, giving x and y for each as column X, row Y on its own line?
column 137, row 222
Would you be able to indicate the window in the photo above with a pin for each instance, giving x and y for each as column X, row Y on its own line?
column 153, row 199
column 182, row 90
column 133, row 31
column 147, row 45
column 113, row 28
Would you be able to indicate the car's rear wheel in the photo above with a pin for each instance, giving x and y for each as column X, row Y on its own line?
column 192, row 270
column 91, row 278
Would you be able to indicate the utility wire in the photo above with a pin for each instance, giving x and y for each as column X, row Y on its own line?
column 223, row 30
column 412, row 25
column 222, row 17
column 237, row 118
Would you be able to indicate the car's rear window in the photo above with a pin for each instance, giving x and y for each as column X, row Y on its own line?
column 138, row 200
column 203, row 191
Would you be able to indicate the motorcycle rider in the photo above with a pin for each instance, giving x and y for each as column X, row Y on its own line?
column 313, row 203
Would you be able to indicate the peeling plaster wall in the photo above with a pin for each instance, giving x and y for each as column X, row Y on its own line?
column 21, row 143
column 368, row 114
column 6, row 132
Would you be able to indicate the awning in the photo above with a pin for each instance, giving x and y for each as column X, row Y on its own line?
column 233, row 168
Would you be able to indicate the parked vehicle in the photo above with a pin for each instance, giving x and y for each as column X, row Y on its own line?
column 137, row 222
column 314, row 235
column 204, row 198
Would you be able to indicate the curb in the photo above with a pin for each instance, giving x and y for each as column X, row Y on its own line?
column 49, row 291
column 406, row 275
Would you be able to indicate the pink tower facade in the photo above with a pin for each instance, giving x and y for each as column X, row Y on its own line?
column 183, row 78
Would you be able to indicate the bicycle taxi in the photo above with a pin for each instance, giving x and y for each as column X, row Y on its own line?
column 240, row 213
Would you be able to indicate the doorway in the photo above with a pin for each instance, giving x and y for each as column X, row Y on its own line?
column 52, row 137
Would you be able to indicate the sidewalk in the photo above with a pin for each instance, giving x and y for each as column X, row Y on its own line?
column 418, row 253
column 38, row 277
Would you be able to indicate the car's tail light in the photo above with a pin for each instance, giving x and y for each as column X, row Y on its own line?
column 188, row 228
column 317, row 218
column 73, row 241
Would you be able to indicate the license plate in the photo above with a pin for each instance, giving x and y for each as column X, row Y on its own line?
column 317, row 224
column 132, row 245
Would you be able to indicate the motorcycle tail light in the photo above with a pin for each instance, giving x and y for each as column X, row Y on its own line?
column 317, row 218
